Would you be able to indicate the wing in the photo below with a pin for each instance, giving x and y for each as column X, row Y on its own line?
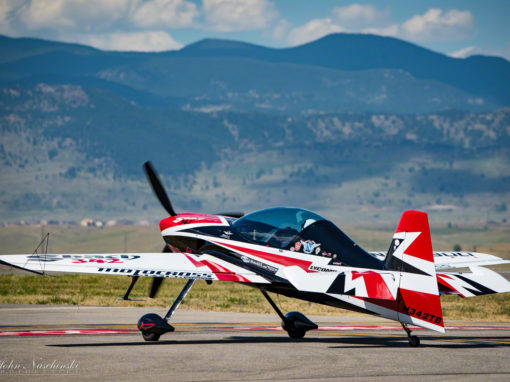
column 169, row 265
column 481, row 281
column 447, row 260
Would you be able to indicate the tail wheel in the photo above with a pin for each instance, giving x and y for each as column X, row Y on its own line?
column 414, row 341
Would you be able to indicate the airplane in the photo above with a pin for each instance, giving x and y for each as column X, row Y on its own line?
column 296, row 253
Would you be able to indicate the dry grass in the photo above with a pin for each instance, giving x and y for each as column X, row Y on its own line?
column 220, row 296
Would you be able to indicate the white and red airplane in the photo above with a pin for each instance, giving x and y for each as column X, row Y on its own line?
column 296, row 253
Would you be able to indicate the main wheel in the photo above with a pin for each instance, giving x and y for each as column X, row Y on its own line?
column 296, row 334
column 414, row 341
column 150, row 336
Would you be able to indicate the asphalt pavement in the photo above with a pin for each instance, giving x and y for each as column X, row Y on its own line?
column 97, row 343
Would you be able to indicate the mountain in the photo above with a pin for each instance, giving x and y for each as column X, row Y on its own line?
column 357, row 127
column 340, row 72
column 488, row 77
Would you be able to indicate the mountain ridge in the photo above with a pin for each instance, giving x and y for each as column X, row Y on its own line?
column 484, row 79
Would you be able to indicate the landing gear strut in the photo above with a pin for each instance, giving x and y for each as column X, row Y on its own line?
column 153, row 326
column 134, row 279
column 414, row 341
column 296, row 324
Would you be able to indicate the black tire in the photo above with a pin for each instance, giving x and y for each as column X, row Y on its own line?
column 414, row 341
column 150, row 336
column 296, row 334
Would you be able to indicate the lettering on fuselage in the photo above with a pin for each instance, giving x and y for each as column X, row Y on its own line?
column 249, row 260
column 321, row 269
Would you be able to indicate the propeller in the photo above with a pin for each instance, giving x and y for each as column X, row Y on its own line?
column 233, row 214
column 163, row 198
column 156, row 284
column 158, row 188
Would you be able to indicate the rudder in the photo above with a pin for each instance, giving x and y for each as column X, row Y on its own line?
column 411, row 255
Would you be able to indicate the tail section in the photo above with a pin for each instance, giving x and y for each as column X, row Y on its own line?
column 410, row 254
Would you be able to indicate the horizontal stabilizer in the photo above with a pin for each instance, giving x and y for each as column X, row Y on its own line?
column 448, row 260
column 480, row 282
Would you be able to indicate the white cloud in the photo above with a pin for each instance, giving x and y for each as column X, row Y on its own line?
column 352, row 18
column 281, row 30
column 391, row 30
column 501, row 51
column 313, row 30
column 505, row 52
column 433, row 25
column 72, row 14
column 436, row 25
column 98, row 16
column 165, row 14
column 355, row 15
column 239, row 15
column 155, row 41
column 106, row 24
column 6, row 10
column 464, row 52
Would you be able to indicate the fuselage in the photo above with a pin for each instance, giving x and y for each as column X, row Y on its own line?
column 266, row 250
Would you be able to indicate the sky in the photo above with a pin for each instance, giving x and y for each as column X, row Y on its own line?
column 458, row 28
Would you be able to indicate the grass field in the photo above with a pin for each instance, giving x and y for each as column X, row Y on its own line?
column 99, row 290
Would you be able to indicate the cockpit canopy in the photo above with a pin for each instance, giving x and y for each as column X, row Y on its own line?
column 303, row 231
column 276, row 227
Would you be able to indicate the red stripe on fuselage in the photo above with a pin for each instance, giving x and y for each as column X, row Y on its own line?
column 222, row 273
column 414, row 304
column 278, row 259
column 188, row 218
column 375, row 284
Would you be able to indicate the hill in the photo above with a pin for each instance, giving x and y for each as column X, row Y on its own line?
column 340, row 72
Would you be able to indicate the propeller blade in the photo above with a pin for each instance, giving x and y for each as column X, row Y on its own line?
column 157, row 281
column 158, row 188
column 232, row 214
column 156, row 284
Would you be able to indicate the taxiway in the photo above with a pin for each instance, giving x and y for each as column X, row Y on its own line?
column 97, row 343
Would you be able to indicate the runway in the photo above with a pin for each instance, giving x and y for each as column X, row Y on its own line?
column 94, row 343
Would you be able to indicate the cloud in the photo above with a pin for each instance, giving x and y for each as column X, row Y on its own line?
column 501, row 51
column 6, row 11
column 436, row 25
column 72, row 14
column 464, row 52
column 154, row 41
column 392, row 30
column 238, row 15
column 358, row 15
column 165, row 14
column 352, row 18
column 113, row 25
column 281, row 30
column 313, row 30
column 98, row 15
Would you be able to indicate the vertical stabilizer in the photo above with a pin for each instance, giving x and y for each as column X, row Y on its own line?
column 410, row 254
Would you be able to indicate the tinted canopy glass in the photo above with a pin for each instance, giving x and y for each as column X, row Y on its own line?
column 276, row 227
